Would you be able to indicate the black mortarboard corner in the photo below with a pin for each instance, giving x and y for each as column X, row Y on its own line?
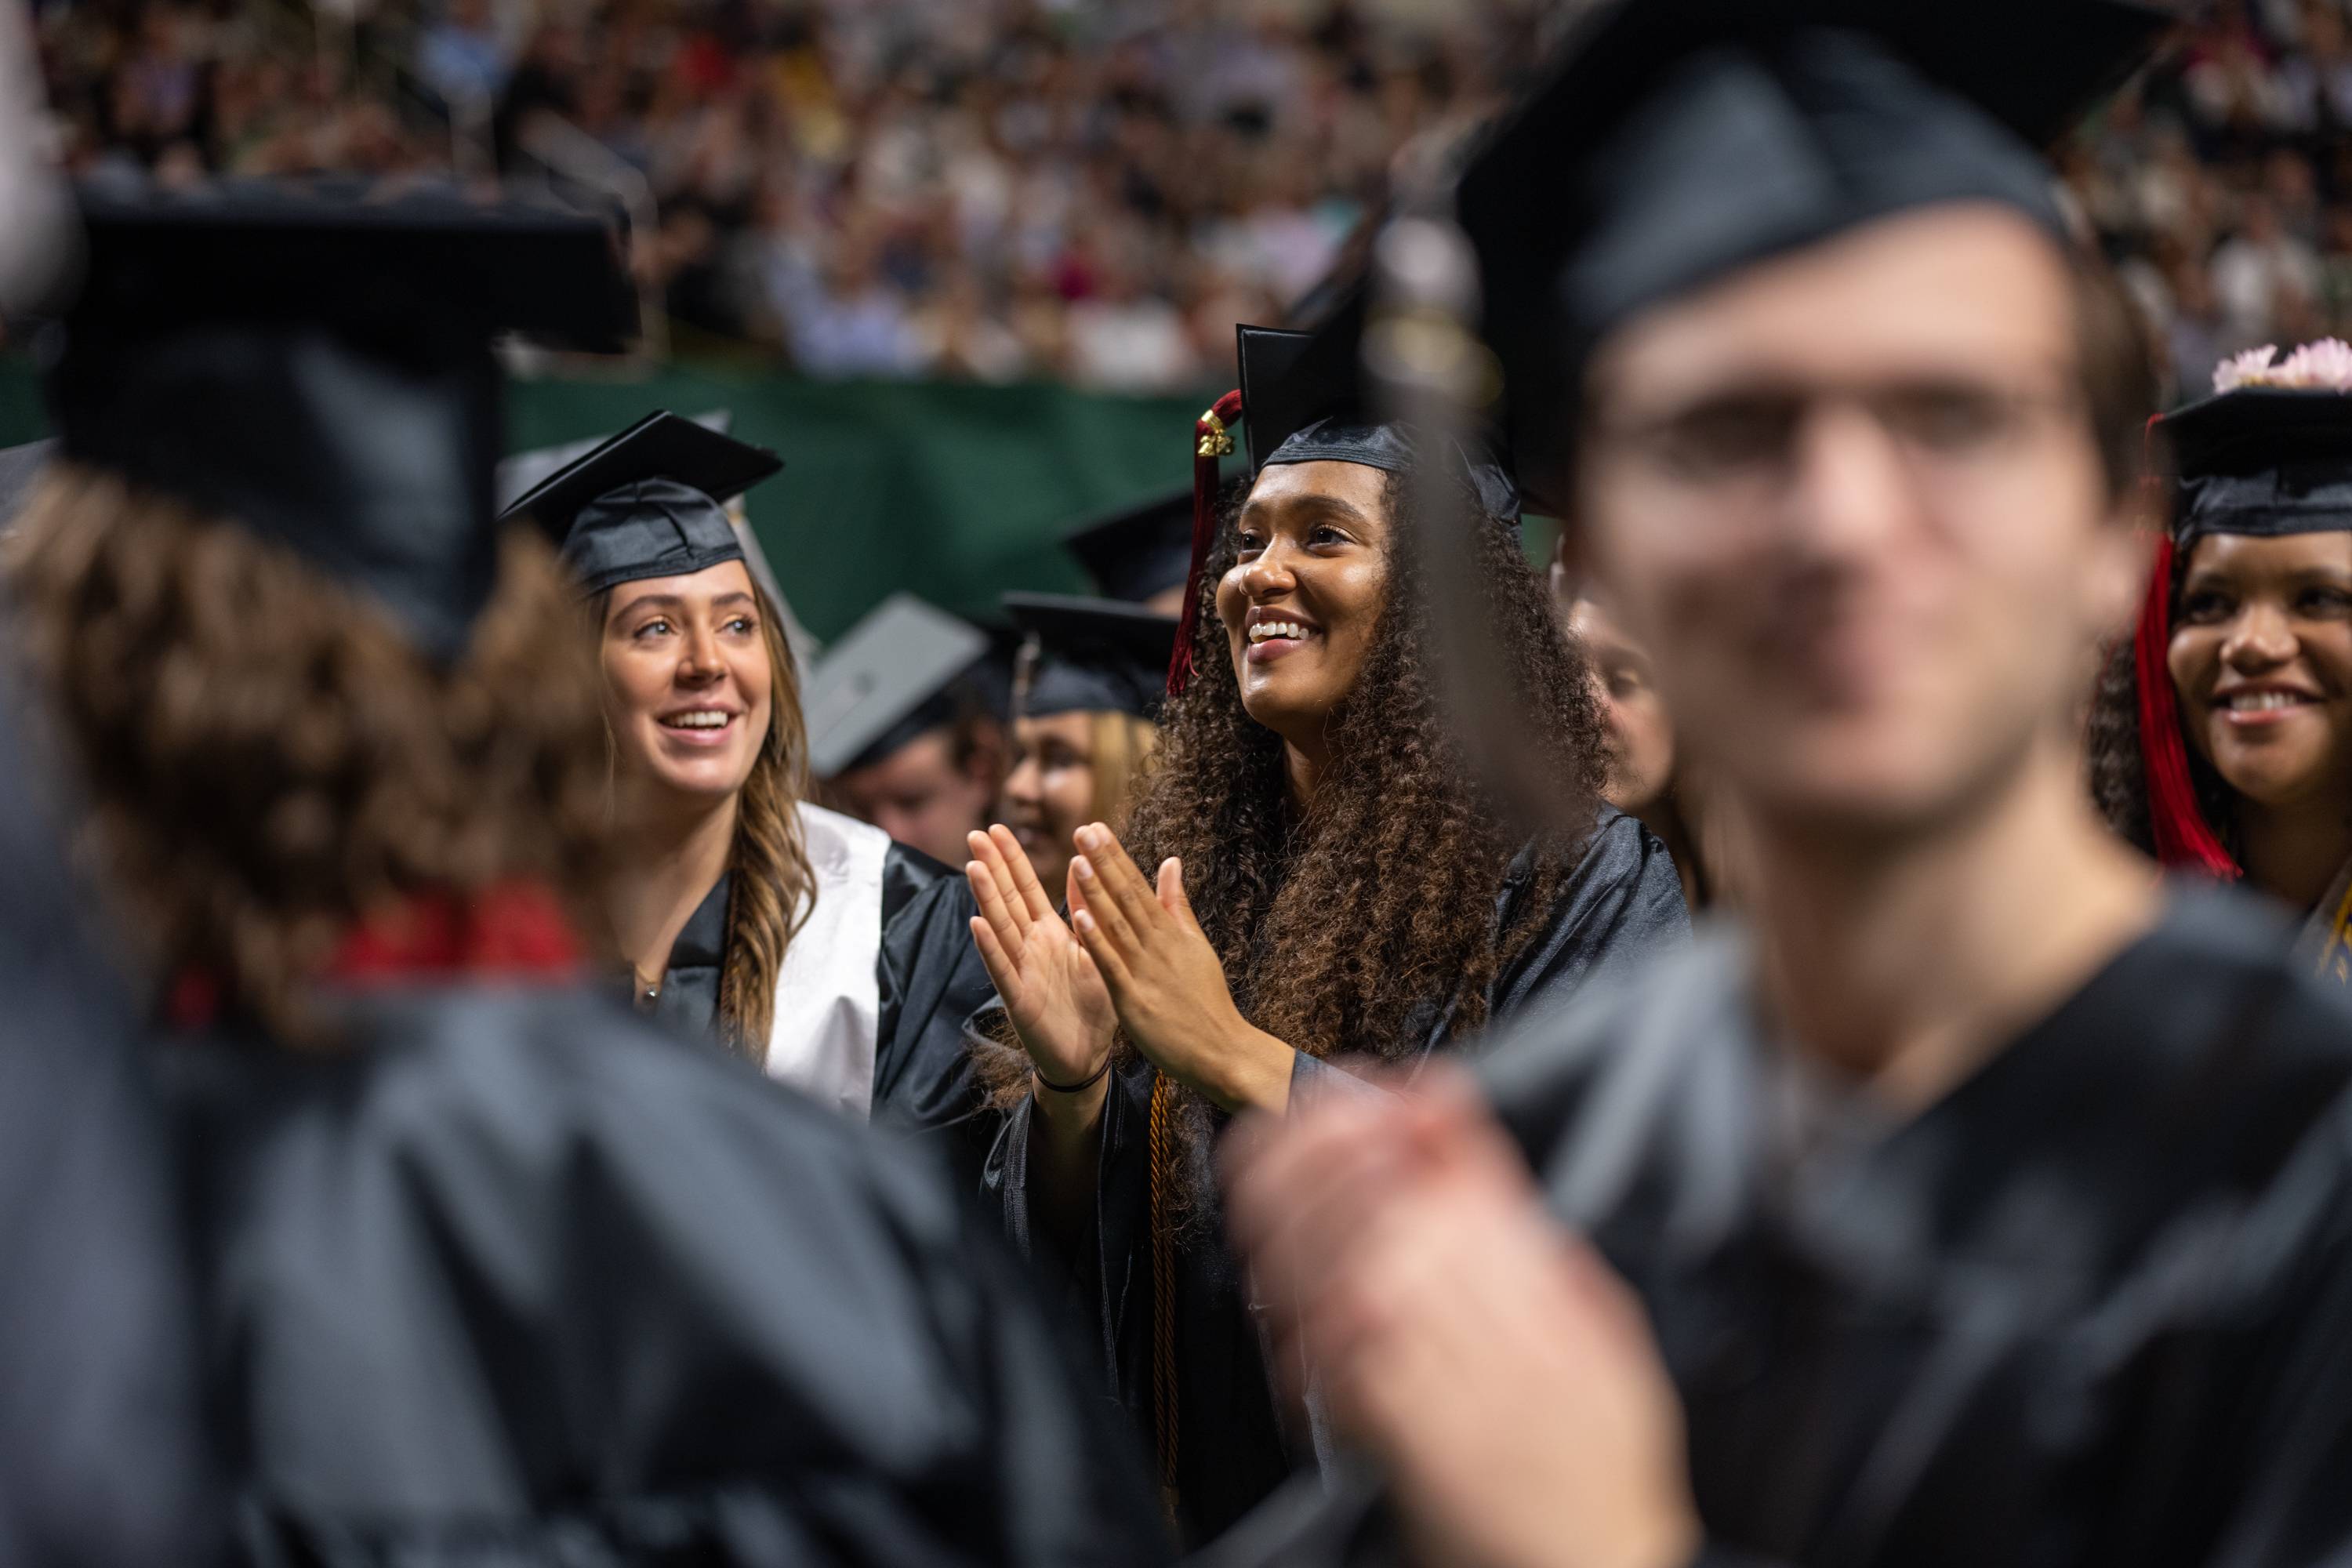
column 1300, row 403
column 2265, row 461
column 1140, row 551
column 1675, row 142
column 1090, row 655
column 650, row 503
column 314, row 361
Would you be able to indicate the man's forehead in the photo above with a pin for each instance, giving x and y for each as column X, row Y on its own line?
column 1969, row 288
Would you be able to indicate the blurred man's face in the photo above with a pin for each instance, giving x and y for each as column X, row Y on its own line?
column 1851, row 502
column 920, row 796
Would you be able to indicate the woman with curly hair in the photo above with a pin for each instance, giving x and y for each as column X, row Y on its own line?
column 2221, row 737
column 487, row 1268
column 795, row 937
column 1331, row 882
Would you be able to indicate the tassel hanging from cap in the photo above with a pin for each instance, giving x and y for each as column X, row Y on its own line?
column 1212, row 438
column 2184, row 839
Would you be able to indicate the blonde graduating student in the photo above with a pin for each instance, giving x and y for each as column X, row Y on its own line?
column 811, row 944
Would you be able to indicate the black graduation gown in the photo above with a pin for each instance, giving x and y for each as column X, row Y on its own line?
column 931, row 979
column 1234, row 1444
column 517, row 1279
column 2093, row 1307
column 102, row 1457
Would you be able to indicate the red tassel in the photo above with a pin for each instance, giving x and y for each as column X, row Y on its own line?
column 1212, row 439
column 2184, row 839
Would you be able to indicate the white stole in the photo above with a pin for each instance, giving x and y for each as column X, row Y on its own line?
column 828, row 1002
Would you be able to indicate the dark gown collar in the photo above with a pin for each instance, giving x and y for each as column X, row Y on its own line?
column 689, row 999
column 703, row 941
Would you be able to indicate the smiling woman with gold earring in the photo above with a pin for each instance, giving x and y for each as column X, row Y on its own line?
column 1330, row 883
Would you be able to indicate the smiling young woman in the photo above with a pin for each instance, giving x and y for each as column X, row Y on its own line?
column 808, row 942
column 2223, row 743
column 1316, row 874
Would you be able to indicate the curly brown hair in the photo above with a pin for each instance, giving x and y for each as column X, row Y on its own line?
column 264, row 757
column 1353, row 927
column 2116, row 769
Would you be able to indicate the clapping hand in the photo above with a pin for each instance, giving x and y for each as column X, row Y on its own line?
column 1166, row 981
column 1054, row 999
column 1505, row 1375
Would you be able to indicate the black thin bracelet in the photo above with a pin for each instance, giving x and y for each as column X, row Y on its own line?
column 1092, row 1079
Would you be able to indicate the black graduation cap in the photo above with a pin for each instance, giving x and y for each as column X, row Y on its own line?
column 314, row 361
column 1677, row 141
column 1089, row 656
column 1139, row 551
column 2261, row 460
column 895, row 675
column 650, row 503
column 1301, row 401
column 1301, row 406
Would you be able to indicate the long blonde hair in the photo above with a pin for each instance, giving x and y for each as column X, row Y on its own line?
column 1123, row 749
column 771, row 888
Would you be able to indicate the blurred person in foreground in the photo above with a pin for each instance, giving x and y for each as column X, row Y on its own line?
column 1326, row 879
column 1981, row 1202
column 104, row 1453
column 487, row 1267
column 810, row 944
column 2222, row 737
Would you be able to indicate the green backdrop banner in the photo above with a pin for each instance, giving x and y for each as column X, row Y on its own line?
column 953, row 492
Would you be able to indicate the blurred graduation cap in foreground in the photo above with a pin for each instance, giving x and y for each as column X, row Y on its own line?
column 1089, row 655
column 1675, row 142
column 889, row 680
column 314, row 361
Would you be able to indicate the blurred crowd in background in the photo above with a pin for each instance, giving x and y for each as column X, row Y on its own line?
column 1001, row 190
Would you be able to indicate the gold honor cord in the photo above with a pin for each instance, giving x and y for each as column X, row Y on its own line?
column 1163, row 1291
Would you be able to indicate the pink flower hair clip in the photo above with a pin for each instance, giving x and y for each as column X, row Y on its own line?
column 2323, row 367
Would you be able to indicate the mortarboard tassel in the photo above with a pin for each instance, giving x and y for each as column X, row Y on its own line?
column 1212, row 438
column 2184, row 839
